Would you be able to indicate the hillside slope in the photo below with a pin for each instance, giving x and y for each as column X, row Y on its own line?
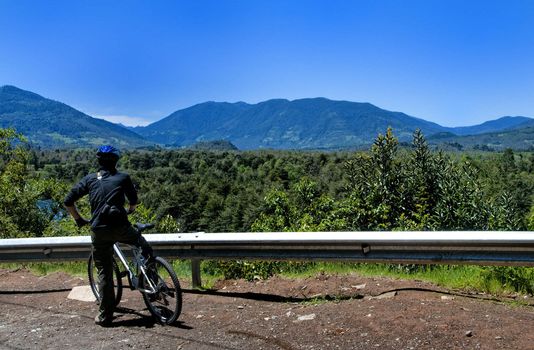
column 501, row 124
column 50, row 124
column 282, row 124
column 521, row 139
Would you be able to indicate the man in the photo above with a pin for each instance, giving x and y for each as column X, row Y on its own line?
column 107, row 190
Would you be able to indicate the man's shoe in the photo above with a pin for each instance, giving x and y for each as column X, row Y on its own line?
column 103, row 321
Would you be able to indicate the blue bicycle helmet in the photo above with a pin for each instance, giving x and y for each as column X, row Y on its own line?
column 108, row 152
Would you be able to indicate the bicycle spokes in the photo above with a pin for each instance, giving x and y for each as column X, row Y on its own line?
column 165, row 303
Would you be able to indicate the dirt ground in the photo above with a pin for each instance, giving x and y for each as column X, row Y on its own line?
column 323, row 312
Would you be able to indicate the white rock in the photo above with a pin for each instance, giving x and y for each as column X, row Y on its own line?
column 387, row 295
column 82, row 293
column 306, row 317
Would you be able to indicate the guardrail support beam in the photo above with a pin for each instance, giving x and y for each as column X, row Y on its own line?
column 195, row 272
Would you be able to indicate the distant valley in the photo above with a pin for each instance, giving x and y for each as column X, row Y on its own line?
column 313, row 123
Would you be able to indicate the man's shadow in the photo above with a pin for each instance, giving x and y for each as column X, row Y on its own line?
column 142, row 320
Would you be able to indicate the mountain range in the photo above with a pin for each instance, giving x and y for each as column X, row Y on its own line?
column 311, row 123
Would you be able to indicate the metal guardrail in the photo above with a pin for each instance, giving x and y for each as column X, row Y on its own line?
column 447, row 247
column 429, row 247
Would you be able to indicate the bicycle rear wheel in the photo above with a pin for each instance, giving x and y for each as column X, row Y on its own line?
column 92, row 273
column 166, row 303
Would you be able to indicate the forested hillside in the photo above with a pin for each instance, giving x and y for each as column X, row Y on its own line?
column 521, row 139
column 385, row 188
column 52, row 124
column 310, row 123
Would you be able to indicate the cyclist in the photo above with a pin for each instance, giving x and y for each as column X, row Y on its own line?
column 107, row 190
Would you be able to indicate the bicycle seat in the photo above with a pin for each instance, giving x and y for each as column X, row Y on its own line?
column 141, row 227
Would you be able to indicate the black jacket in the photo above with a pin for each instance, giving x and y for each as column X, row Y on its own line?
column 98, row 188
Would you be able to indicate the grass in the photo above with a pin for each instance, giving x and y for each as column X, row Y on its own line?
column 464, row 277
column 183, row 272
column 79, row 269
column 449, row 276
column 42, row 269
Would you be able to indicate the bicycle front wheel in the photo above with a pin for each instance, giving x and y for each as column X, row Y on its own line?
column 92, row 273
column 165, row 304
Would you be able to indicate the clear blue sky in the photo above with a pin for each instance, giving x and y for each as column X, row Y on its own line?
column 452, row 62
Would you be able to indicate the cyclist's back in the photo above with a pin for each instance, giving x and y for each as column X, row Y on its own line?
column 107, row 186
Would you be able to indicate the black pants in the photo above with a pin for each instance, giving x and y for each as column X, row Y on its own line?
column 103, row 240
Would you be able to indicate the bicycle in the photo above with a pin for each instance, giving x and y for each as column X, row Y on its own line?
column 155, row 279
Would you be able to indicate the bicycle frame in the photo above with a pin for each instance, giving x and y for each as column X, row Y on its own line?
column 139, row 266
column 155, row 279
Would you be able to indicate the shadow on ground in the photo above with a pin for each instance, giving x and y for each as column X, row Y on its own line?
column 142, row 320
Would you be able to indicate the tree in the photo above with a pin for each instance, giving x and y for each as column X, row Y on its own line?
column 27, row 203
column 376, row 188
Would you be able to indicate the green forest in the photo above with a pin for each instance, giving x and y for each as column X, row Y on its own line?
column 388, row 187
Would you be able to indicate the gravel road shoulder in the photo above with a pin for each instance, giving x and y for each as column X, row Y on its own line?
column 322, row 312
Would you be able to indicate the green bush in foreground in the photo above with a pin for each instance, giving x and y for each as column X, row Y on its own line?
column 518, row 279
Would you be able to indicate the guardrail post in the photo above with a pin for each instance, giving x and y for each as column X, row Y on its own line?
column 195, row 271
